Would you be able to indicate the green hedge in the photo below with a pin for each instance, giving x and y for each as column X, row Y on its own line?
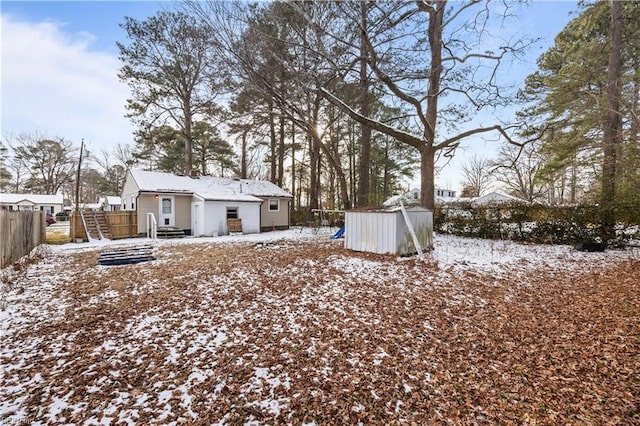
column 536, row 223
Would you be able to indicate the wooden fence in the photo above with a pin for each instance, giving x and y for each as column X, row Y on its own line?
column 20, row 232
column 123, row 224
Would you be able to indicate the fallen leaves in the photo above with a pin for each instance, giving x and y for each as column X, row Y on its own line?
column 309, row 332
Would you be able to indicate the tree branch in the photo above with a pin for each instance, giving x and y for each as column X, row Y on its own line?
column 401, row 136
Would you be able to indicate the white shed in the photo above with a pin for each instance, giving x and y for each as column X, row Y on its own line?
column 386, row 231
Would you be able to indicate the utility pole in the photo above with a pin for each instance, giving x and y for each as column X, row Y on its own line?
column 78, row 176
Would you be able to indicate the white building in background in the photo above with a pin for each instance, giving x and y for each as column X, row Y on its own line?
column 445, row 193
column 495, row 198
column 412, row 198
column 444, row 196
column 32, row 202
column 111, row 203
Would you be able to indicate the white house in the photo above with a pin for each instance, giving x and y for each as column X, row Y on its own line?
column 32, row 202
column 412, row 197
column 201, row 205
column 495, row 198
column 111, row 203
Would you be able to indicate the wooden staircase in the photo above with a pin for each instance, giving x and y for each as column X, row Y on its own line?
column 95, row 225
column 169, row 232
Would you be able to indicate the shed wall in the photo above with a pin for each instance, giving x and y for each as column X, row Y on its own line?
column 373, row 232
column 386, row 231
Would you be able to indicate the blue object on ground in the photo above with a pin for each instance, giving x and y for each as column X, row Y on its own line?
column 338, row 234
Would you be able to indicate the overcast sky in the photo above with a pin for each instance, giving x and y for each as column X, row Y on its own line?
column 59, row 69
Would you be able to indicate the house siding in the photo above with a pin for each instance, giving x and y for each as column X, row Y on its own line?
column 148, row 203
column 183, row 212
column 277, row 220
column 215, row 214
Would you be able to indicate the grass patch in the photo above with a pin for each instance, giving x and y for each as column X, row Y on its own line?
column 57, row 239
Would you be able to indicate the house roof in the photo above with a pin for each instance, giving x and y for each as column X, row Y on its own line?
column 207, row 187
column 41, row 199
column 495, row 197
column 113, row 200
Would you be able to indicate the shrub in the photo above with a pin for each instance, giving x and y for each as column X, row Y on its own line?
column 62, row 216
column 535, row 223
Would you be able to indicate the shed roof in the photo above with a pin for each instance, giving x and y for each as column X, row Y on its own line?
column 388, row 209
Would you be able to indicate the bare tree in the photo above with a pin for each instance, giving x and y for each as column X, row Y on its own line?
column 459, row 78
column 518, row 170
column 5, row 173
column 476, row 175
column 114, row 164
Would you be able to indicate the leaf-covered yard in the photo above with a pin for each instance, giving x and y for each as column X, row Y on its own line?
column 306, row 332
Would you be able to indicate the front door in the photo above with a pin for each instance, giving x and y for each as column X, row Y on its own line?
column 167, row 213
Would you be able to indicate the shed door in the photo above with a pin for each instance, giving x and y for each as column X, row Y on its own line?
column 167, row 211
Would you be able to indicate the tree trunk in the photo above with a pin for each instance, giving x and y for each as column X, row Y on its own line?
column 427, row 177
column 188, row 142
column 293, row 166
column 612, row 137
column 281, row 152
column 427, row 154
column 203, row 158
column 273, row 142
column 244, row 153
column 385, row 172
column 365, row 150
column 314, row 156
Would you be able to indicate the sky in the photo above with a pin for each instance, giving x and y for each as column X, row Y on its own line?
column 59, row 70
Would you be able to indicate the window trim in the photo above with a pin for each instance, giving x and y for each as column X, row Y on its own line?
column 277, row 204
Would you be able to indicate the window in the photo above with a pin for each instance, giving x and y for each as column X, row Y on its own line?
column 166, row 206
column 133, row 207
column 274, row 205
column 232, row 212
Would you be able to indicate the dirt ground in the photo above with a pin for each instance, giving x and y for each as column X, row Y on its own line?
column 306, row 332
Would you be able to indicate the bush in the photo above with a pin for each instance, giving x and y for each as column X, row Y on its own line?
column 62, row 217
column 535, row 223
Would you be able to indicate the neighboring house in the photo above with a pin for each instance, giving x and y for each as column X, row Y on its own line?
column 32, row 202
column 110, row 203
column 412, row 198
column 447, row 193
column 495, row 198
column 201, row 205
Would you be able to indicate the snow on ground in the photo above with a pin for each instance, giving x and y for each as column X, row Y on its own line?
column 285, row 327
